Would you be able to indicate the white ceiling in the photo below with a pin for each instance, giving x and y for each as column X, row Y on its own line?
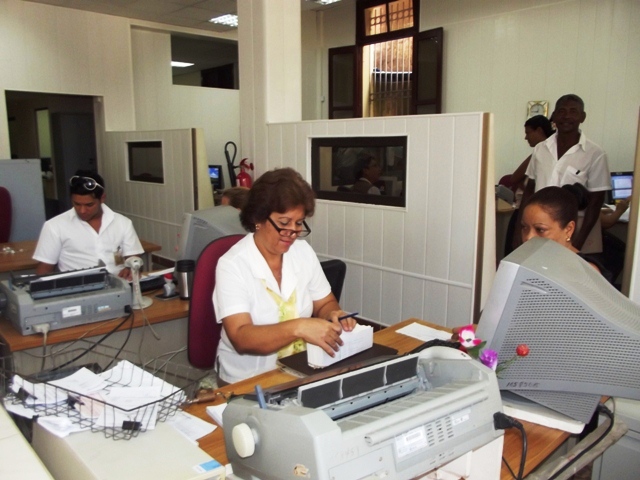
column 182, row 13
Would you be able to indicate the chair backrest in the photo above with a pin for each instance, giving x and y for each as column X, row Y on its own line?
column 335, row 271
column 5, row 215
column 506, row 181
column 204, row 331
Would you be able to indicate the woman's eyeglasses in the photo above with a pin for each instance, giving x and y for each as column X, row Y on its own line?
column 287, row 232
column 87, row 183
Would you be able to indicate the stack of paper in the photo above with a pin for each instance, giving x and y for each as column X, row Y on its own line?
column 523, row 409
column 355, row 341
column 215, row 412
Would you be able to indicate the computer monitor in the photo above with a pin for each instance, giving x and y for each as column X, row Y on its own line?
column 583, row 334
column 621, row 184
column 201, row 227
column 215, row 174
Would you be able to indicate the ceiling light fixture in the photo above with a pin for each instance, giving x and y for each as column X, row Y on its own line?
column 229, row 20
column 324, row 2
column 180, row 64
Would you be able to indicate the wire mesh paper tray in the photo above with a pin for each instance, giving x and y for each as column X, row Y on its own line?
column 134, row 397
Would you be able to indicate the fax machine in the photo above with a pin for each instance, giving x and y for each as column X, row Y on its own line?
column 396, row 419
column 64, row 300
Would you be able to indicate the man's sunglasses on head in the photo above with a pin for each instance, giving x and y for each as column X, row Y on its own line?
column 87, row 183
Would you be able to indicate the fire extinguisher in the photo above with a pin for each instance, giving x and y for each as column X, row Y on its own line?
column 243, row 179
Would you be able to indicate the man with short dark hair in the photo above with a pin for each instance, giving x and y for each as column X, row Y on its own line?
column 88, row 233
column 568, row 157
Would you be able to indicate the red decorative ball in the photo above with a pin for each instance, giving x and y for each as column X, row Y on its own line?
column 522, row 350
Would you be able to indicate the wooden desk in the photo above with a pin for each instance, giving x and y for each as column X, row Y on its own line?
column 542, row 441
column 22, row 258
column 158, row 312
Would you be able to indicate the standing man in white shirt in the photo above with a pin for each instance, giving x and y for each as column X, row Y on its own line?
column 88, row 233
column 568, row 157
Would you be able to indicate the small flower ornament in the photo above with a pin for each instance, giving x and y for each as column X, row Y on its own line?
column 467, row 336
column 474, row 347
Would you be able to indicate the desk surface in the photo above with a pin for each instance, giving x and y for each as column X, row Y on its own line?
column 159, row 311
column 542, row 441
column 22, row 258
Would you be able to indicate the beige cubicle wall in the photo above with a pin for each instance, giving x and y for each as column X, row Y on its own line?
column 156, row 209
column 434, row 258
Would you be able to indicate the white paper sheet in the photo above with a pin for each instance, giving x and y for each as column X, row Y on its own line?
column 191, row 426
column 215, row 412
column 355, row 341
column 424, row 333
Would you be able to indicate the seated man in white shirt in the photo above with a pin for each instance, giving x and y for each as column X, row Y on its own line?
column 88, row 233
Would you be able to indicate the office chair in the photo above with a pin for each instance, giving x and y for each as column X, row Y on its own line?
column 5, row 215
column 203, row 329
column 506, row 181
column 335, row 271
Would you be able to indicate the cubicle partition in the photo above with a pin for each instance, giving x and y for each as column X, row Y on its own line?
column 23, row 180
column 433, row 258
column 156, row 207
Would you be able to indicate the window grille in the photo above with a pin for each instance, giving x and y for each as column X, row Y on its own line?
column 388, row 17
column 390, row 85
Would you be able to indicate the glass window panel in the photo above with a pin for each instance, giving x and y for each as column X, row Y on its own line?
column 375, row 20
column 342, row 79
column 145, row 161
column 400, row 15
column 360, row 169
column 343, row 114
column 427, row 69
column 427, row 109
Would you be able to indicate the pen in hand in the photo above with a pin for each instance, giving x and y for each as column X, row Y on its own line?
column 349, row 315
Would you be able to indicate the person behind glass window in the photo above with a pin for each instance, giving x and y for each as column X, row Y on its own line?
column 367, row 172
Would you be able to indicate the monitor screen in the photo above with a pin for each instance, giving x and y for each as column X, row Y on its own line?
column 201, row 227
column 621, row 184
column 215, row 174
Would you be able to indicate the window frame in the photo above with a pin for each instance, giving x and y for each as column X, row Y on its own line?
column 354, row 142
column 363, row 39
column 135, row 145
column 356, row 107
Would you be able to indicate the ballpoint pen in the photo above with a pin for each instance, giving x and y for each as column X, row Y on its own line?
column 349, row 315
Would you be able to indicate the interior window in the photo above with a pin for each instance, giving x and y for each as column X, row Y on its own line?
column 145, row 161
column 360, row 169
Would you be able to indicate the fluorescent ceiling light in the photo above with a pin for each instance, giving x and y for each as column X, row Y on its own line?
column 180, row 64
column 229, row 20
column 325, row 2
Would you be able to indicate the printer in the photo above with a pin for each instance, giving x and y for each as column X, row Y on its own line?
column 397, row 419
column 64, row 300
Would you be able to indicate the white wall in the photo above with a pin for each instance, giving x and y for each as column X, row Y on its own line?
column 499, row 55
column 161, row 105
column 419, row 261
column 59, row 50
